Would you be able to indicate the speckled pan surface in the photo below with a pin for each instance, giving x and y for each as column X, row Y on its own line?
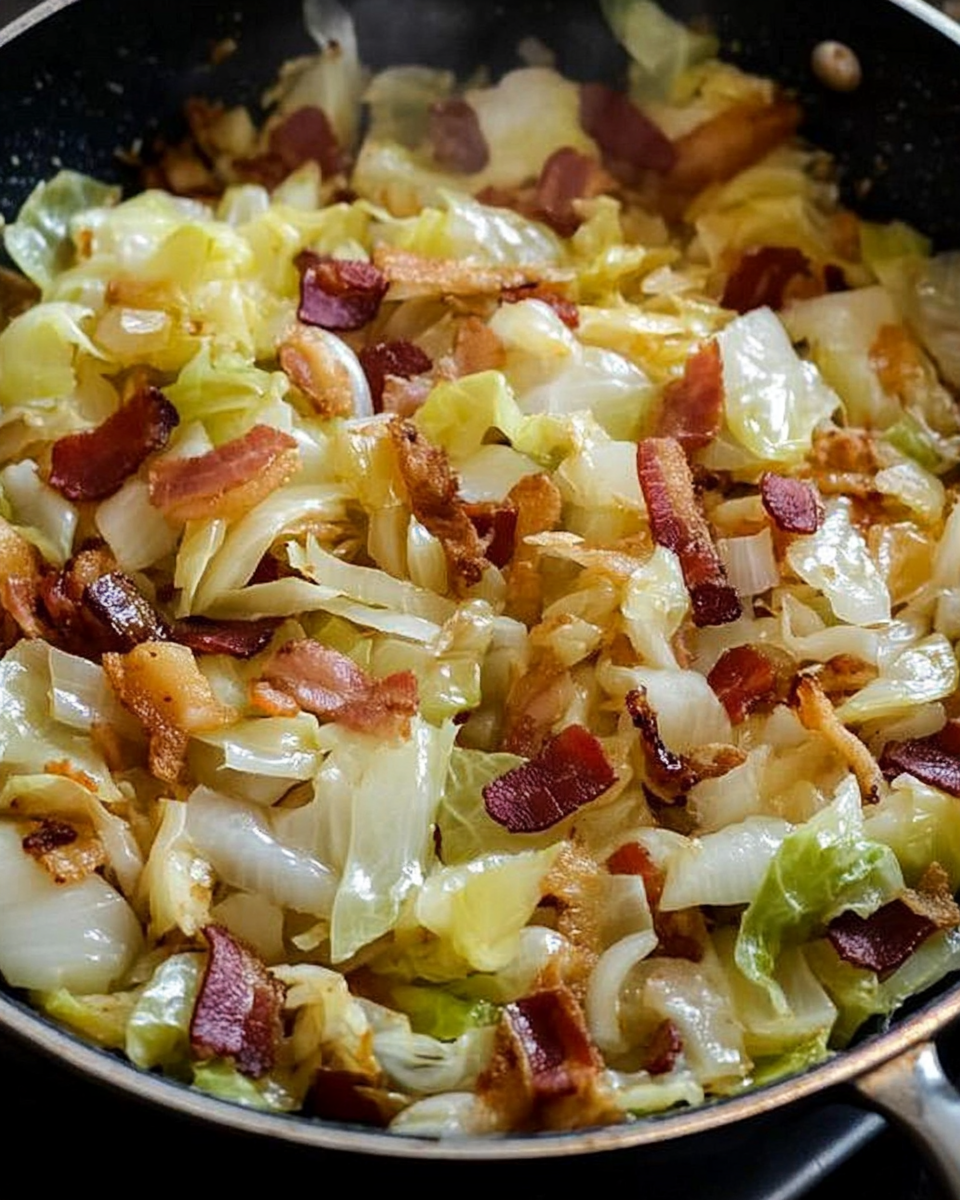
column 896, row 137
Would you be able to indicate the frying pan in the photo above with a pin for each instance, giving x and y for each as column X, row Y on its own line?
column 80, row 80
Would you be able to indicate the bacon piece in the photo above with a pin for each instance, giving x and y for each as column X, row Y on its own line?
column 477, row 348
column 66, row 853
column 413, row 275
column 237, row 1013
column 792, row 504
column 887, row 938
column 665, row 1049
column 339, row 1095
column 565, row 177
column 730, row 142
column 332, row 686
column 676, row 773
column 539, row 507
column 570, row 771
column 575, row 889
column 818, row 714
column 339, row 294
column 933, row 760
column 677, row 523
column 434, row 497
column 496, row 526
column 742, row 678
column 398, row 359
column 761, row 277
column 680, row 934
column 226, row 481
column 81, row 623
column 46, row 835
column 403, row 397
column 92, row 465
column 457, row 139
column 317, row 370
column 535, row 703
column 623, row 132
column 306, row 135
column 545, row 1072
column 127, row 616
column 160, row 683
column 238, row 639
column 565, row 309
column 692, row 406
column 21, row 574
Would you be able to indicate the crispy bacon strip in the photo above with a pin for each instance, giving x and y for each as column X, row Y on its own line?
column 566, row 176
column 932, row 760
column 792, row 504
column 127, row 616
column 818, row 714
column 887, row 938
column 160, row 683
column 435, row 499
column 673, row 773
column 743, row 678
column 238, row 639
column 692, row 406
column 237, row 1013
column 456, row 137
column 545, row 1071
column 677, row 523
column 339, row 294
column 227, row 481
column 570, row 771
column 313, row 367
column 762, row 276
column 327, row 683
column 92, row 465
column 625, row 135
column 384, row 360
column 729, row 143
column 412, row 275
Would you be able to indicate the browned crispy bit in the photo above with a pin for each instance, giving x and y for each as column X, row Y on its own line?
column 817, row 714
column 411, row 275
column 67, row 853
column 477, row 348
column 316, row 371
column 664, row 1050
column 574, row 887
column 435, row 500
column 538, row 503
column 844, row 462
column 844, row 674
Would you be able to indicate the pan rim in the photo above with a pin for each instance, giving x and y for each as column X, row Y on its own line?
column 122, row 1076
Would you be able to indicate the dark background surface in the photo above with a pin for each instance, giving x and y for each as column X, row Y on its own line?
column 59, row 1123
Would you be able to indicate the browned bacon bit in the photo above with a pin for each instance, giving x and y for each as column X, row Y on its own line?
column 21, row 573
column 457, row 139
column 47, row 835
column 160, row 683
column 339, row 294
column 664, row 1050
column 545, row 1071
column 331, row 685
column 304, row 136
column 226, row 481
column 565, row 309
column 818, row 714
column 237, row 1013
column 570, row 771
column 742, row 678
column 670, row 772
column 539, row 505
column 677, row 523
column 477, row 348
column 633, row 859
column 337, row 1095
column 792, row 504
column 845, row 674
column 403, row 397
column 887, row 938
column 434, row 497
column 127, row 616
column 496, row 524
column 566, row 176
column 66, row 853
column 692, row 406
column 63, row 601
column 623, row 133
column 535, row 703
column 730, row 142
column 927, row 759
column 761, row 277
column 238, row 639
column 413, row 275
column 317, row 370
column 575, row 889
column 384, row 360
column 92, row 465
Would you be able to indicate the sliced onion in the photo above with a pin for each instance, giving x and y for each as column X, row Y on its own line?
column 602, row 1007
column 750, row 562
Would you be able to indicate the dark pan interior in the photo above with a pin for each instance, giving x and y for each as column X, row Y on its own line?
column 102, row 74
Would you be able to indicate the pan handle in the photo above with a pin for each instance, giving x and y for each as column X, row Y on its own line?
column 913, row 1091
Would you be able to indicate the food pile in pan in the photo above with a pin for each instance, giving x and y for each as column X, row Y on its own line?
column 480, row 573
